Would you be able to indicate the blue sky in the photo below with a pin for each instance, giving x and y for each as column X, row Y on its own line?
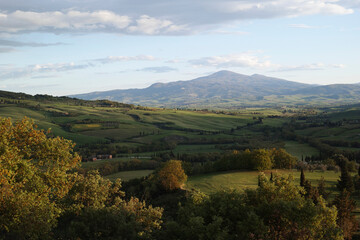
column 63, row 47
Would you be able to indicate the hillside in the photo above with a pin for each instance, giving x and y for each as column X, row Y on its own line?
column 227, row 89
column 198, row 136
column 332, row 91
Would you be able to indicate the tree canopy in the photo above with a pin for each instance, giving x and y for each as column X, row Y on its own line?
column 43, row 197
column 171, row 176
column 275, row 210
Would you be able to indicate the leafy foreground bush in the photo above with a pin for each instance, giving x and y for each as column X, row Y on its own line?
column 42, row 197
column 275, row 210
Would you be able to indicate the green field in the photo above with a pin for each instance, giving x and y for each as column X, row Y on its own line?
column 130, row 130
column 300, row 150
column 209, row 183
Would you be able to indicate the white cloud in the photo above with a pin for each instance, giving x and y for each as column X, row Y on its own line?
column 76, row 21
column 59, row 21
column 12, row 43
column 111, row 59
column 337, row 65
column 308, row 67
column 249, row 60
column 237, row 60
column 151, row 26
column 11, row 72
column 176, row 60
column 162, row 69
column 285, row 8
column 32, row 70
column 161, row 17
column 58, row 67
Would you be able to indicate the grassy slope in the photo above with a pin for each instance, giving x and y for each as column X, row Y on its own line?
column 136, row 127
column 127, row 127
column 300, row 150
column 248, row 179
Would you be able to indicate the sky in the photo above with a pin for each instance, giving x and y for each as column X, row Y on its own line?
column 64, row 47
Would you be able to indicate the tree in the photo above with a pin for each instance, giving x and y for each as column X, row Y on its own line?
column 345, row 181
column 96, row 207
column 302, row 178
column 172, row 175
column 261, row 159
column 282, row 159
column 42, row 196
column 345, row 219
column 311, row 192
column 321, row 188
column 274, row 211
column 34, row 177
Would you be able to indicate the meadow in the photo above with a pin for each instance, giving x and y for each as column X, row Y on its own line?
column 128, row 175
column 240, row 180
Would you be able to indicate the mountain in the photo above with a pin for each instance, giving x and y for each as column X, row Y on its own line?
column 227, row 89
column 344, row 90
column 216, row 89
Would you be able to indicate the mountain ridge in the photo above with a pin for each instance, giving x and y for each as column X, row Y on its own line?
column 228, row 88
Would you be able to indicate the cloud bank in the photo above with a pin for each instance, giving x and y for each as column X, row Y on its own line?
column 81, row 22
column 161, row 17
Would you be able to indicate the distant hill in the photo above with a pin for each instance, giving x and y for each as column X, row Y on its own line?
column 18, row 97
column 230, row 90
column 343, row 90
column 218, row 88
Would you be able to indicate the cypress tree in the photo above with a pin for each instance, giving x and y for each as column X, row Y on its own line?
column 302, row 178
column 310, row 192
column 345, row 181
column 346, row 219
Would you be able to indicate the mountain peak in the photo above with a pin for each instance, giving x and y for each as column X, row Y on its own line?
column 257, row 75
column 224, row 73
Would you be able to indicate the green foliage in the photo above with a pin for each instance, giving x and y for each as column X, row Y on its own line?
column 302, row 178
column 282, row 159
column 104, row 223
column 92, row 196
column 345, row 182
column 34, row 178
column 322, row 188
column 345, row 219
column 261, row 160
column 41, row 197
column 258, row 159
column 275, row 210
